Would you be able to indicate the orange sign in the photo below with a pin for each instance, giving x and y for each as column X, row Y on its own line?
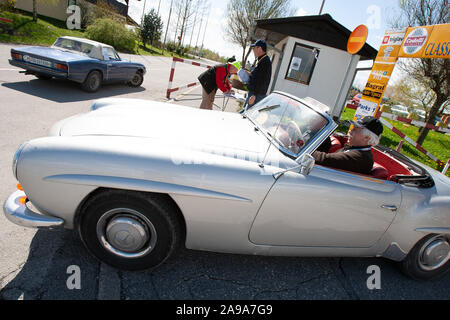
column 357, row 39
column 427, row 42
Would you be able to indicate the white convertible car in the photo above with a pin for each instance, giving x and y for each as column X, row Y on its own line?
column 137, row 179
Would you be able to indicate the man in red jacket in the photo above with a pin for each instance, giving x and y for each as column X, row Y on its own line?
column 216, row 78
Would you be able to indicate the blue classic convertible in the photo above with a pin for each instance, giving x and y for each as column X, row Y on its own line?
column 84, row 61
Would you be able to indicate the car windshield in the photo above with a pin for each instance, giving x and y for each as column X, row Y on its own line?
column 73, row 45
column 290, row 123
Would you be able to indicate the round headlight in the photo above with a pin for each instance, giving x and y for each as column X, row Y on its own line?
column 16, row 159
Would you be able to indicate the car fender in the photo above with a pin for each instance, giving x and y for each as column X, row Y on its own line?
column 216, row 194
column 424, row 211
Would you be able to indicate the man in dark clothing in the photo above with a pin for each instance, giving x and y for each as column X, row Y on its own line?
column 357, row 155
column 259, row 81
column 216, row 78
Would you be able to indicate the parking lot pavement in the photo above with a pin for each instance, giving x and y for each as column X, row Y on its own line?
column 39, row 264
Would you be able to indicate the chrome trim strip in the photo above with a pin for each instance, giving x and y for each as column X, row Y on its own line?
column 19, row 214
column 140, row 185
column 16, row 159
column 434, row 230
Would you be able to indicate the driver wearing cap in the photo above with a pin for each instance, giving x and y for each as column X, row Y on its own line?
column 356, row 156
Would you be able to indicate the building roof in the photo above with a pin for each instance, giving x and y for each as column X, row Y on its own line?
column 120, row 7
column 322, row 29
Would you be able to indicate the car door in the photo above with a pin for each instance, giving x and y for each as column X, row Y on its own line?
column 327, row 208
column 116, row 70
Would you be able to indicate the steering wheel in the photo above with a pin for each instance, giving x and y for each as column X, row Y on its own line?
column 296, row 136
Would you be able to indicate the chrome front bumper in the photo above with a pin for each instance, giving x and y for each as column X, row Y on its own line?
column 20, row 214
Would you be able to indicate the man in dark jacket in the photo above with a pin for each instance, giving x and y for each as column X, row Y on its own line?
column 356, row 156
column 260, row 76
column 216, row 78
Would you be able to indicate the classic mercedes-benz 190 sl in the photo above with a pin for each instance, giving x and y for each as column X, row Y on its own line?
column 84, row 61
column 138, row 179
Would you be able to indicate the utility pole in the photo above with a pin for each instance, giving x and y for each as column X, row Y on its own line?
column 143, row 11
column 206, row 27
column 159, row 6
column 168, row 22
column 321, row 7
column 193, row 26
column 200, row 29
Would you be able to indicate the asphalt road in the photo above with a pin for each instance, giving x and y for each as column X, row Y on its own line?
column 36, row 264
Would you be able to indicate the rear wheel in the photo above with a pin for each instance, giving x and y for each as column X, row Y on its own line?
column 130, row 230
column 93, row 81
column 429, row 259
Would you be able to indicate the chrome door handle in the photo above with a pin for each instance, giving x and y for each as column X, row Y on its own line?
column 388, row 207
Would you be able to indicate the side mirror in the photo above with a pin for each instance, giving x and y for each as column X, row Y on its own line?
column 307, row 163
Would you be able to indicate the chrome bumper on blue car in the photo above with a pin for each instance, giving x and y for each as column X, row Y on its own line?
column 20, row 214
column 38, row 69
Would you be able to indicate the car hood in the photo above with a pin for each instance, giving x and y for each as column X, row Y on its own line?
column 52, row 53
column 172, row 124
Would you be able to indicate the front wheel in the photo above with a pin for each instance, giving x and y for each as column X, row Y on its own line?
column 93, row 82
column 130, row 230
column 429, row 259
column 137, row 80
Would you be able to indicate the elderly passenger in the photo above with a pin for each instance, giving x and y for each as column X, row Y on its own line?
column 356, row 156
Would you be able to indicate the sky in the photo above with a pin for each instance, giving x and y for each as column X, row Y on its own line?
column 375, row 14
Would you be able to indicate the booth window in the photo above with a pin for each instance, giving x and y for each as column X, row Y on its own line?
column 303, row 61
column 71, row 3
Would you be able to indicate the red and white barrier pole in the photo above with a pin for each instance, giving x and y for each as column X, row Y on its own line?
column 446, row 167
column 172, row 73
column 6, row 20
column 410, row 141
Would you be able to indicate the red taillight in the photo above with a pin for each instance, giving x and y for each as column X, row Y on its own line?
column 16, row 56
column 62, row 67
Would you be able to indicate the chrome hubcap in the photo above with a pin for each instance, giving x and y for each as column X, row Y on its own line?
column 434, row 253
column 94, row 82
column 126, row 233
column 136, row 79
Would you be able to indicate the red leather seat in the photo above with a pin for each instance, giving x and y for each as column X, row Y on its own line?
column 335, row 145
column 379, row 172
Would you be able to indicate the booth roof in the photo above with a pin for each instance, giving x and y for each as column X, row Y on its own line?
column 322, row 29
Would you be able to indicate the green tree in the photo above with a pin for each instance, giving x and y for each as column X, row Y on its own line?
column 151, row 28
column 241, row 16
column 432, row 74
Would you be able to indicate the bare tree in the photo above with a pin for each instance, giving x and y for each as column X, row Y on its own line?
column 432, row 74
column 187, row 13
column 241, row 15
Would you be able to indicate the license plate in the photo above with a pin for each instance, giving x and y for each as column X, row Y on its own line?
column 40, row 62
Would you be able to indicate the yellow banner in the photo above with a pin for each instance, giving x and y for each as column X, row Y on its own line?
column 427, row 42
column 439, row 44
column 378, row 80
column 390, row 46
column 381, row 73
